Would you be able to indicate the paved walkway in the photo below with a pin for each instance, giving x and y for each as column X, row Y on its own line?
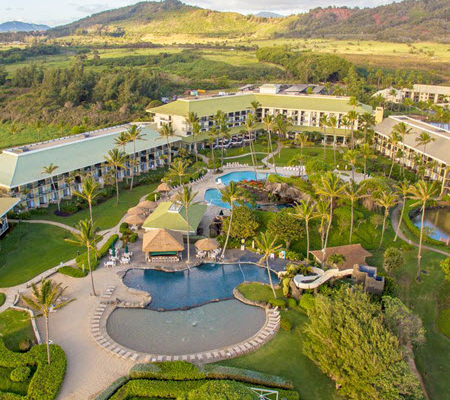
column 46, row 222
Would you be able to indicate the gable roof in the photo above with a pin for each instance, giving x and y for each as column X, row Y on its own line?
column 162, row 240
column 7, row 204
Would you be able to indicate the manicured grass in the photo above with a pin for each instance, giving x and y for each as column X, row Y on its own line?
column 314, row 152
column 8, row 386
column 30, row 249
column 15, row 327
column 106, row 215
column 258, row 292
column 443, row 322
column 2, row 298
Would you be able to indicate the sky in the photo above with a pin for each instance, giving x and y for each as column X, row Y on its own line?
column 58, row 12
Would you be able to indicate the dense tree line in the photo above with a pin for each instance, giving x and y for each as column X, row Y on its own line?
column 16, row 54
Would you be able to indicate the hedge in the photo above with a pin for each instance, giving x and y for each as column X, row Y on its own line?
column 20, row 374
column 47, row 379
column 223, row 390
column 95, row 261
column 72, row 272
column 2, row 298
column 113, row 388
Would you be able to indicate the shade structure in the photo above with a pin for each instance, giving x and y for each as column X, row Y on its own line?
column 207, row 244
column 147, row 204
column 163, row 187
column 134, row 219
column 162, row 240
column 136, row 210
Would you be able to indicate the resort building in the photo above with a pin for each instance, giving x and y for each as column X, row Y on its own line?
column 305, row 111
column 433, row 93
column 6, row 205
column 435, row 155
column 21, row 168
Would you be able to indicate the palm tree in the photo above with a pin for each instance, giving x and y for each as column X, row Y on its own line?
column 352, row 157
column 266, row 244
column 121, row 140
column 402, row 190
column 322, row 212
column 166, row 132
column 423, row 140
column 231, row 194
column 134, row 133
column 250, row 126
column 305, row 211
column 269, row 123
column 423, row 193
column 220, row 120
column 256, row 105
column 45, row 299
column 394, row 139
column 212, row 135
column 89, row 191
column 196, row 130
column 352, row 192
column 352, row 118
column 367, row 121
column 85, row 237
column 402, row 130
column 385, row 200
column 192, row 122
column 116, row 159
column 345, row 122
column 282, row 126
column 332, row 122
column 49, row 170
column 366, row 153
column 178, row 169
column 186, row 199
column 329, row 186
column 323, row 122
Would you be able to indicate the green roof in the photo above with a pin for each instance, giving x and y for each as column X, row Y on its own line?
column 164, row 218
column 69, row 154
column 210, row 105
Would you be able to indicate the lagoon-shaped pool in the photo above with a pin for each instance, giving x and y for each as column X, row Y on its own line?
column 194, row 287
column 438, row 220
column 239, row 176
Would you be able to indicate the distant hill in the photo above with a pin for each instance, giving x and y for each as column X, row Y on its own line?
column 409, row 20
column 17, row 26
column 268, row 14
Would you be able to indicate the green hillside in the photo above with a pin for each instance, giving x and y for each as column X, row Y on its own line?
column 410, row 20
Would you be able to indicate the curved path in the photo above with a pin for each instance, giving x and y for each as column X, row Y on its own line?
column 46, row 222
column 320, row 277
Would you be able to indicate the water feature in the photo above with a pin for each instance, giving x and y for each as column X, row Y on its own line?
column 200, row 285
column 239, row 176
column 209, row 327
column 438, row 220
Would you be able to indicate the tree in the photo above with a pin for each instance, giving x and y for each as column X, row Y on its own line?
column 116, row 159
column 134, row 133
column 336, row 259
column 332, row 123
column 186, row 199
column 423, row 193
column 212, row 136
column 393, row 259
column 85, row 237
column 269, row 123
column 323, row 122
column 366, row 153
column 250, row 126
column 282, row 125
column 445, row 265
column 231, row 194
column 385, row 200
column 89, row 191
column 305, row 211
column 178, row 169
column 401, row 130
column 352, row 157
column 244, row 224
column 121, row 140
column 347, row 339
column 167, row 132
column 196, row 130
column 266, row 244
column 402, row 190
column 352, row 119
column 394, row 139
column 38, row 127
column 50, row 170
column 224, row 132
column 352, row 192
column 46, row 299
column 322, row 212
column 367, row 120
column 286, row 226
column 424, row 139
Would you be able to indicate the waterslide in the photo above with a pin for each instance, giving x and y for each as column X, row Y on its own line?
column 320, row 277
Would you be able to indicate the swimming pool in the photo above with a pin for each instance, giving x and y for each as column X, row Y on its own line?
column 437, row 219
column 199, row 285
column 241, row 176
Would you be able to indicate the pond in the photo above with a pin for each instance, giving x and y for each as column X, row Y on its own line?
column 438, row 220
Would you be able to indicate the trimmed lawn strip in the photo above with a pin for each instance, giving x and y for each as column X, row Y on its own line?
column 15, row 327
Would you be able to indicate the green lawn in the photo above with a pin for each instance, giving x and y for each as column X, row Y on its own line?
column 15, row 327
column 309, row 153
column 107, row 214
column 30, row 249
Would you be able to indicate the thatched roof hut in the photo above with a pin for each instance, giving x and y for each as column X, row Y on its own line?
column 135, row 219
column 163, row 187
column 160, row 241
column 207, row 244
column 148, row 205
column 136, row 211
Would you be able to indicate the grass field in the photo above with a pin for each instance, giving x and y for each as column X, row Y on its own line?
column 15, row 327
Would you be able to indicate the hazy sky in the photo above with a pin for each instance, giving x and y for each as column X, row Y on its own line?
column 57, row 12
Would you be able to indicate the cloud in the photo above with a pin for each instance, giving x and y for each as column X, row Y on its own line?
column 14, row 9
column 91, row 8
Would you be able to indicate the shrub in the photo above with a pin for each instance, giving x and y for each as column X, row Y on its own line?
column 393, row 259
column 294, row 256
column 72, row 272
column 222, row 390
column 2, row 298
column 175, row 370
column 124, row 228
column 82, row 258
column 133, row 237
column 111, row 389
column 307, row 301
column 291, row 303
column 285, row 325
column 25, row 345
column 278, row 303
column 20, row 374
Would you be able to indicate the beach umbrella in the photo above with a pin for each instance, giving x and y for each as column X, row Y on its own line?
column 136, row 211
column 207, row 244
column 147, row 204
column 163, row 187
column 134, row 219
column 126, row 249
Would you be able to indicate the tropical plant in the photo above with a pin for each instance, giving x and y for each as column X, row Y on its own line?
column 305, row 211
column 282, row 125
column 352, row 157
column 352, row 119
column 352, row 192
column 84, row 236
column 394, row 139
column 402, row 190
column 322, row 212
column 336, row 259
column 45, row 299
column 50, row 170
column 401, row 129
column 89, row 191
column 212, row 136
column 366, row 153
column 196, row 130
column 367, row 120
column 250, row 127
column 269, row 123
column 267, row 245
column 186, row 197
column 167, row 132
column 385, row 200
column 116, row 160
column 393, row 259
column 424, row 139
column 423, row 193
column 178, row 169
column 134, row 133
column 121, row 140
column 38, row 128
column 323, row 122
column 286, row 227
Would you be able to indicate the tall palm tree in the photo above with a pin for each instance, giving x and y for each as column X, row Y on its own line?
column 345, row 122
column 330, row 187
column 220, row 119
column 385, row 200
column 121, row 140
column 394, row 139
column 89, row 191
column 282, row 125
column 256, row 105
column 212, row 136
column 116, row 159
column 402, row 189
column 85, row 237
column 367, row 121
column 186, row 198
column 45, row 299
column 134, row 133
column 352, row 192
column 38, row 127
column 332, row 123
column 266, row 244
column 231, row 194
column 305, row 211
column 178, row 169
column 166, row 132
column 402, row 130
column 50, row 170
column 322, row 212
column 191, row 120
column 269, row 123
column 250, row 126
column 366, row 153
column 423, row 192
column 323, row 122
column 352, row 157
column 424, row 139
column 352, row 118
column 196, row 130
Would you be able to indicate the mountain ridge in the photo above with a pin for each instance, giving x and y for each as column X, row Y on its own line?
column 18, row 26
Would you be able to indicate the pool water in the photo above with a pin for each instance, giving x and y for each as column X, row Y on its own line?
column 209, row 327
column 438, row 220
column 241, row 176
column 199, row 285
